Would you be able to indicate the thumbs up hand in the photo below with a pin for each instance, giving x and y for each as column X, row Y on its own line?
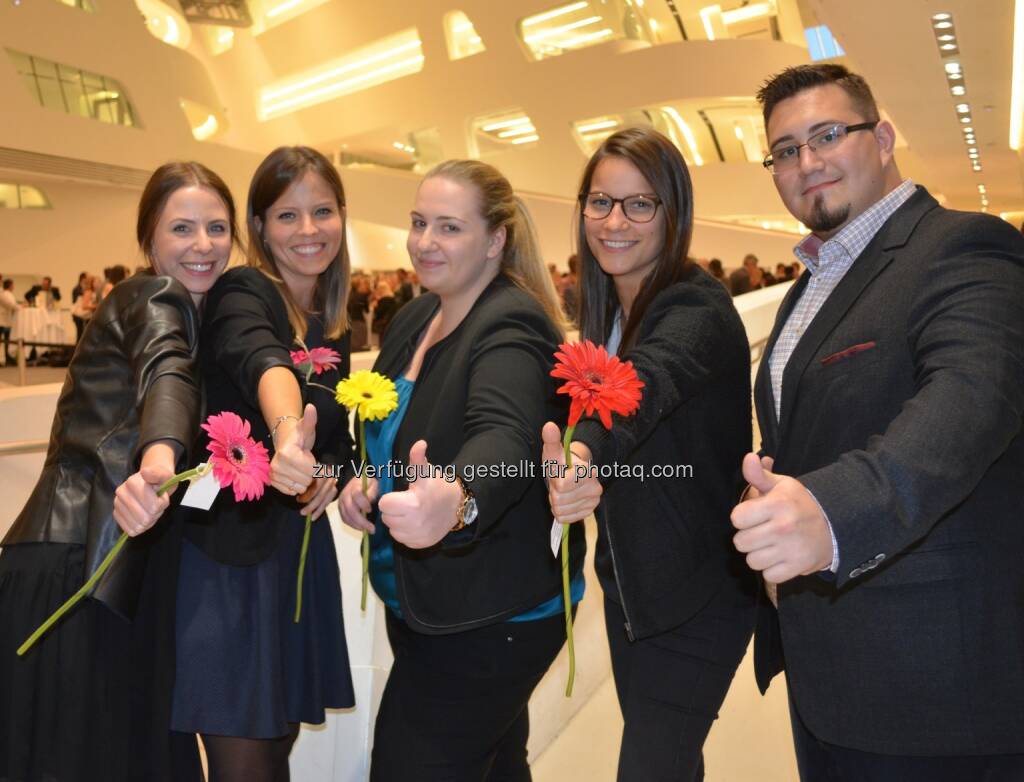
column 573, row 493
column 782, row 529
column 291, row 469
column 424, row 513
column 307, row 428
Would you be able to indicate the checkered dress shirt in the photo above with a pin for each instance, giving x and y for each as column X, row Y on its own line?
column 828, row 263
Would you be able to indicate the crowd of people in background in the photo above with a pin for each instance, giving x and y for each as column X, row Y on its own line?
column 375, row 297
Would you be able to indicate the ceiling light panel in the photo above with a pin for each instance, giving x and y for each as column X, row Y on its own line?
column 499, row 132
column 382, row 61
column 461, row 36
column 944, row 29
column 565, row 28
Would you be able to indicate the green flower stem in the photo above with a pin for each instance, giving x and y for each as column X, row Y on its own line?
column 566, row 592
column 302, row 567
column 365, row 547
column 104, row 566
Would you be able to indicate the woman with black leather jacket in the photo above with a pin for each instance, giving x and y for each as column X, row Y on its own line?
column 91, row 700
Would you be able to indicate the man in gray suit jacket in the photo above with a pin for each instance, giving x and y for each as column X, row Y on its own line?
column 890, row 402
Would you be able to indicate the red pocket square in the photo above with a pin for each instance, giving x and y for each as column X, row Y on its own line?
column 853, row 350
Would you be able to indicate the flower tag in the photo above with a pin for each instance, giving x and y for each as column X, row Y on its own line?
column 557, row 528
column 201, row 492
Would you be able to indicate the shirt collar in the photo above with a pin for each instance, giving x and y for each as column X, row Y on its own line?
column 854, row 237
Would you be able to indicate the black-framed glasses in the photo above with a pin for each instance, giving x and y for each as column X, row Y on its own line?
column 787, row 158
column 639, row 208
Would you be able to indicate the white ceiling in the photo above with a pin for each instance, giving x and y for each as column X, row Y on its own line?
column 891, row 42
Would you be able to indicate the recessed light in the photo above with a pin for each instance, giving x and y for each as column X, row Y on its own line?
column 952, row 67
column 941, row 17
column 968, row 130
column 958, row 89
column 963, row 108
column 948, row 46
column 966, row 119
column 947, row 37
column 943, row 25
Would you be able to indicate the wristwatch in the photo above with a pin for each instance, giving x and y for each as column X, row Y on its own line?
column 467, row 511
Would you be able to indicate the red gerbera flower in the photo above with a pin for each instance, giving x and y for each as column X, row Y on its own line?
column 596, row 382
column 237, row 459
column 316, row 360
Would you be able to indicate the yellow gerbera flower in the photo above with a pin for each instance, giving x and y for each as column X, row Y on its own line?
column 371, row 394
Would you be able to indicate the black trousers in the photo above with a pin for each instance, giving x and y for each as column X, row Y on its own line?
column 670, row 686
column 821, row 762
column 455, row 706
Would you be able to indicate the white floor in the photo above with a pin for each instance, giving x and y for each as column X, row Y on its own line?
column 750, row 741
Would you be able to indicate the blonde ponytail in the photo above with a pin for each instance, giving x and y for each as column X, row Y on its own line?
column 523, row 265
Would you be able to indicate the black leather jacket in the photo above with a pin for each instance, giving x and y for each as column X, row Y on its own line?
column 132, row 381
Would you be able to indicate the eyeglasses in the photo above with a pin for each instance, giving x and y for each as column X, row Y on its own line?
column 637, row 208
column 824, row 141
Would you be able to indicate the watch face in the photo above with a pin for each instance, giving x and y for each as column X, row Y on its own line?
column 471, row 511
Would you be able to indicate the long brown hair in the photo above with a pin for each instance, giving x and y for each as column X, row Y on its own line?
column 278, row 171
column 500, row 206
column 162, row 184
column 661, row 164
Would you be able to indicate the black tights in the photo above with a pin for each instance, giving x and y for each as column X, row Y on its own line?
column 233, row 759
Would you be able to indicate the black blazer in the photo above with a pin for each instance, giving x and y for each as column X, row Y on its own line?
column 902, row 413
column 481, row 399
column 671, row 538
column 131, row 382
column 246, row 332
column 35, row 290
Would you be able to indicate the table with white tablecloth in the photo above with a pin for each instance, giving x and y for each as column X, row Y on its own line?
column 38, row 324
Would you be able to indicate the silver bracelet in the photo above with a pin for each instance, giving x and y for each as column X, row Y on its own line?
column 280, row 420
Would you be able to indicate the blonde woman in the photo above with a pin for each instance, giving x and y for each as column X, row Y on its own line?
column 460, row 552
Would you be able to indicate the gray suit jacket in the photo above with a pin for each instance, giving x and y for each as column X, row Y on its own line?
column 902, row 413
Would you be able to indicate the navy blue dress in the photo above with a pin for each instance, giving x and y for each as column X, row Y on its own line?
column 244, row 667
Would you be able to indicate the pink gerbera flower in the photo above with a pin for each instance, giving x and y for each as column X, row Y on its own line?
column 316, row 360
column 237, row 459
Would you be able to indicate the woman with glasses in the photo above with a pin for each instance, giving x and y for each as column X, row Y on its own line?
column 679, row 603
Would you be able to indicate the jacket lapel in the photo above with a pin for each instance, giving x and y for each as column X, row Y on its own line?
column 764, row 397
column 879, row 253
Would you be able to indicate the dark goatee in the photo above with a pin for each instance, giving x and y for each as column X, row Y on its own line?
column 821, row 220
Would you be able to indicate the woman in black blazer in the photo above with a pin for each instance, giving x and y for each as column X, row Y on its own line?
column 462, row 559
column 678, row 600
column 90, row 701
